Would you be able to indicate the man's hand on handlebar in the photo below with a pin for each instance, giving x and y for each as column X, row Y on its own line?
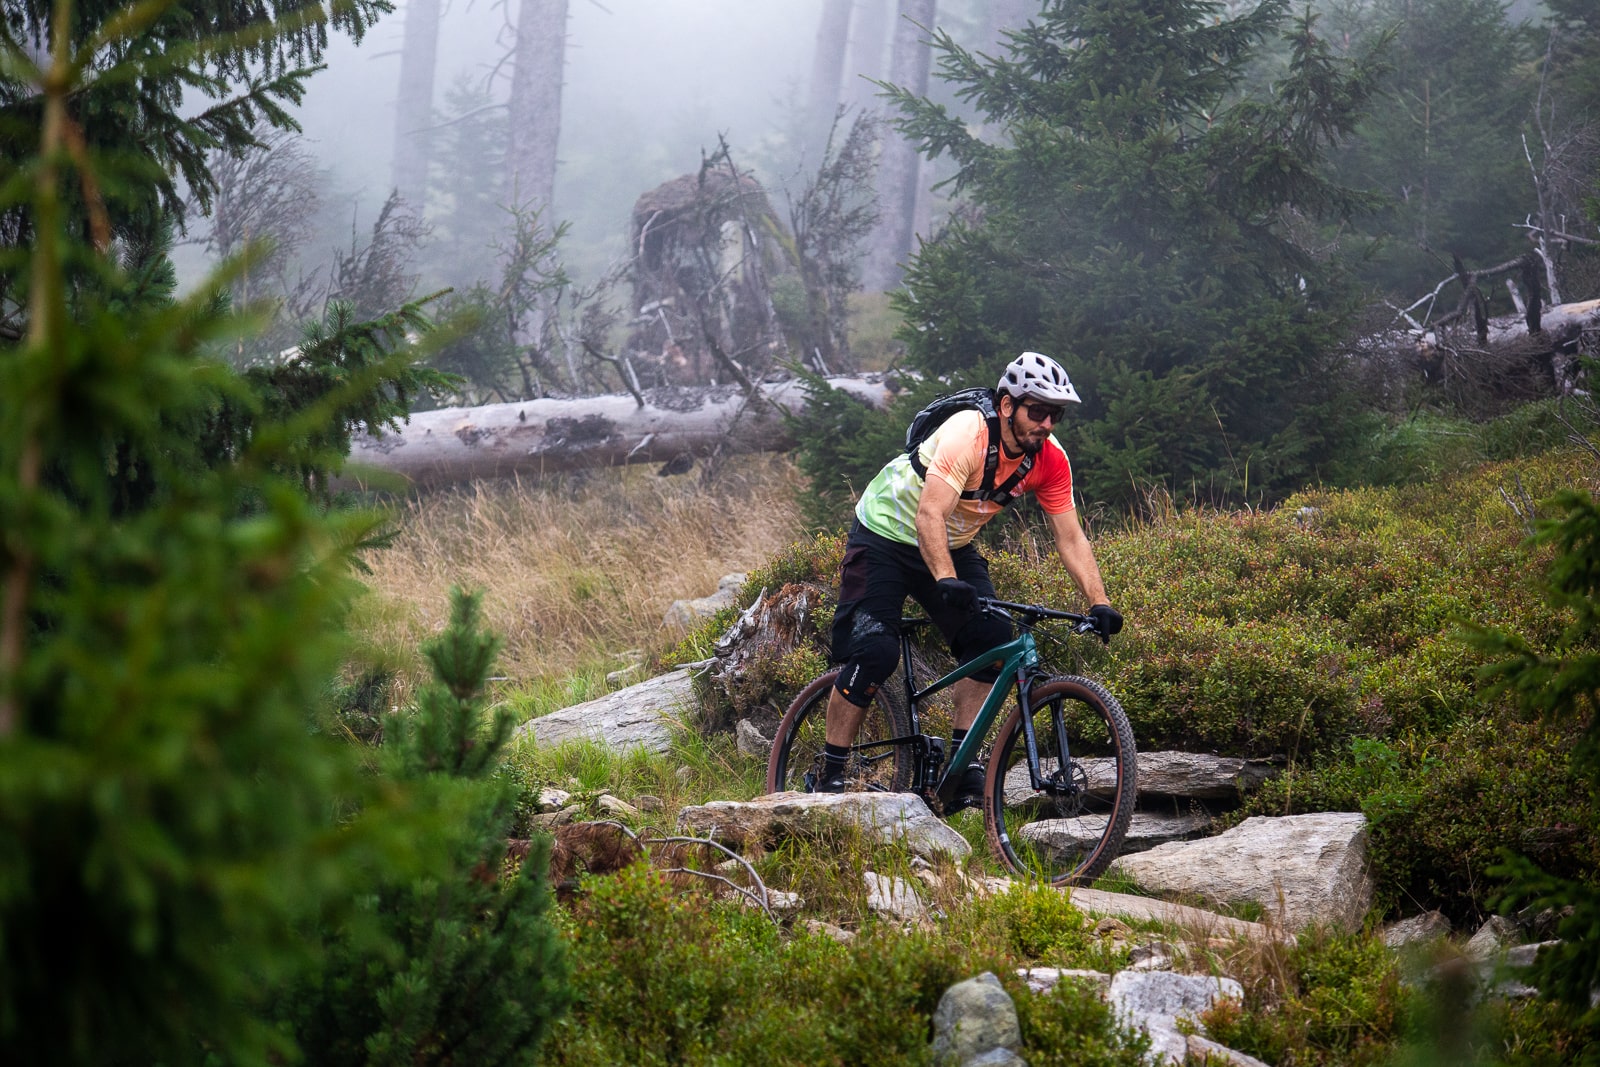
column 1107, row 621
column 958, row 594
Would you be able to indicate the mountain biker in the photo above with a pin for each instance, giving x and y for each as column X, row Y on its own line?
column 913, row 537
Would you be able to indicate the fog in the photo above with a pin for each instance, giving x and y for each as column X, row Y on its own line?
column 648, row 84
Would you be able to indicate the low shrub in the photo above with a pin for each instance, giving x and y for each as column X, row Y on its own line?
column 670, row 978
column 1071, row 1026
column 1333, row 999
column 1439, row 811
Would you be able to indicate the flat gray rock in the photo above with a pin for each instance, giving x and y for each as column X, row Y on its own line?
column 1064, row 837
column 647, row 715
column 890, row 817
column 1044, row 979
column 1299, row 868
column 1194, row 921
column 1180, row 774
column 1154, row 1001
column 1205, row 1050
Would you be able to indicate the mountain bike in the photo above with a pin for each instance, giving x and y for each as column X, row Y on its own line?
column 1061, row 775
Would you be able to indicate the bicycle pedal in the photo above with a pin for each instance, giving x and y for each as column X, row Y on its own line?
column 810, row 780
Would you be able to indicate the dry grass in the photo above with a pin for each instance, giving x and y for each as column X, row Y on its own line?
column 575, row 573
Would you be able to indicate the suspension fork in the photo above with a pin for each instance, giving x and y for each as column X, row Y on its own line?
column 1058, row 727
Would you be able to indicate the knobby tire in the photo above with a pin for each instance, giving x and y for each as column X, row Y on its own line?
column 797, row 747
column 1063, row 840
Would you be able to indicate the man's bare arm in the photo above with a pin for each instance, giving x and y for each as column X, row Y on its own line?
column 1076, row 553
column 939, row 499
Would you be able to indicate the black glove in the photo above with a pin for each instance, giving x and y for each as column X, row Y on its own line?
column 958, row 594
column 1107, row 621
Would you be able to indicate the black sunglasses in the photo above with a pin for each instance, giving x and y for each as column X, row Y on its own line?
column 1043, row 412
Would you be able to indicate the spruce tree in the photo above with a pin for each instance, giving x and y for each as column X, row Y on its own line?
column 1446, row 152
column 171, row 610
column 1140, row 217
column 168, row 820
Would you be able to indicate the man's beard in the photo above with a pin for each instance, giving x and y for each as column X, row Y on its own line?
column 1028, row 445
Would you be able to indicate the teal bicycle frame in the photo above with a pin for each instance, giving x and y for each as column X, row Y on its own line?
column 1020, row 663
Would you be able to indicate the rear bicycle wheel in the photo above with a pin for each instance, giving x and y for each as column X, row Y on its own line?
column 1068, row 832
column 796, row 760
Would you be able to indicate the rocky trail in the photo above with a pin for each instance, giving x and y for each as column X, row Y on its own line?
column 1291, row 871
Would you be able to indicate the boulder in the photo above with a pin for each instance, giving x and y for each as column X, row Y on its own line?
column 1044, row 979
column 975, row 1018
column 682, row 614
column 1156, row 956
column 1154, row 1001
column 1428, row 926
column 619, row 809
column 646, row 716
column 1300, row 868
column 890, row 817
column 828, row 930
column 552, row 799
column 1204, row 1050
column 1179, row 774
column 1496, row 934
column 750, row 741
column 894, row 897
column 1148, row 829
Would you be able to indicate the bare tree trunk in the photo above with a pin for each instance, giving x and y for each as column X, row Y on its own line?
column 414, row 106
column 900, row 168
column 673, row 426
column 535, row 106
column 869, row 36
column 827, row 69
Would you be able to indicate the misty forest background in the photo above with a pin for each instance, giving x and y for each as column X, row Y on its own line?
column 259, row 799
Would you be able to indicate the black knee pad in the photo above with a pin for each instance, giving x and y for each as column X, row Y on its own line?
column 977, row 637
column 874, row 654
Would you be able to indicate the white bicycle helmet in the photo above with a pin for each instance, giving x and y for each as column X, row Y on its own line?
column 1037, row 377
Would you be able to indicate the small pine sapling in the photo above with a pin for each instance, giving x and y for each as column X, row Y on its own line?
column 467, row 966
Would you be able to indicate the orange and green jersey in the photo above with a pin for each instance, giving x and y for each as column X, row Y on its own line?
column 955, row 453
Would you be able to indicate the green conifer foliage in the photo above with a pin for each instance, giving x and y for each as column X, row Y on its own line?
column 467, row 966
column 1141, row 220
column 1562, row 684
column 168, row 820
column 1446, row 151
column 142, row 70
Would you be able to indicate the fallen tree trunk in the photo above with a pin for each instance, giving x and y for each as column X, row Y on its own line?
column 1561, row 324
column 675, row 426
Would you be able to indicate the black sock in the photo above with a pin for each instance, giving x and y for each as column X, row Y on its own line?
column 956, row 737
column 833, row 758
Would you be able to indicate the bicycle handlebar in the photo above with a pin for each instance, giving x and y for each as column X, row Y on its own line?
column 1031, row 614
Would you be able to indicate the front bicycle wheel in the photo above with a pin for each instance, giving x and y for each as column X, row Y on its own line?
column 796, row 760
column 1068, row 831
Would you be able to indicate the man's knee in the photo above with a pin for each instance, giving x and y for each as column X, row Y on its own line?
column 979, row 636
column 874, row 652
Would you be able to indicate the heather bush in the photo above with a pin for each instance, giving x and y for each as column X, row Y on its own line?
column 1332, row 998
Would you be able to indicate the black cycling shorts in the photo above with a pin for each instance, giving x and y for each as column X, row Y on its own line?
column 875, row 579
